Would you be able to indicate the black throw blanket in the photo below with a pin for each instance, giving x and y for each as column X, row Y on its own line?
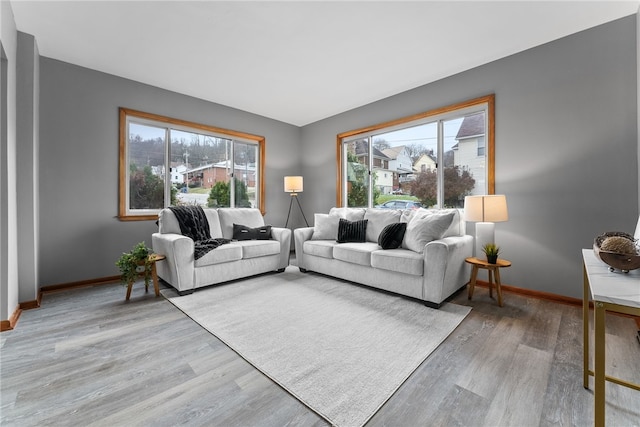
column 193, row 224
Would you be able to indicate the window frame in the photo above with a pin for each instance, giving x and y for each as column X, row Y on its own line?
column 408, row 121
column 124, row 213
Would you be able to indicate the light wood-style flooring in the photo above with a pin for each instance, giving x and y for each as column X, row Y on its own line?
column 88, row 357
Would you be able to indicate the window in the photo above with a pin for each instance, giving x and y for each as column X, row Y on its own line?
column 481, row 146
column 168, row 162
column 435, row 158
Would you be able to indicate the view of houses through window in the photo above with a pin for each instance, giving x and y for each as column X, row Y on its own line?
column 170, row 164
column 431, row 161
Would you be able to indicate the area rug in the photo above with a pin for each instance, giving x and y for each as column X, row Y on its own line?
column 341, row 349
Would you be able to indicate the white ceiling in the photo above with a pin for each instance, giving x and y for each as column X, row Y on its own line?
column 298, row 61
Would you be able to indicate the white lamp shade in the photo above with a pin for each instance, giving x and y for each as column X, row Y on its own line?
column 489, row 208
column 293, row 184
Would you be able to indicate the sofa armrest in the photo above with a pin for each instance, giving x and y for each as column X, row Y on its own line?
column 178, row 268
column 282, row 235
column 301, row 235
column 445, row 270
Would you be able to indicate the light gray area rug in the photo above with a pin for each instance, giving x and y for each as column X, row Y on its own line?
column 341, row 349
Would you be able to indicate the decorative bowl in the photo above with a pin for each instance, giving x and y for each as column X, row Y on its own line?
column 624, row 262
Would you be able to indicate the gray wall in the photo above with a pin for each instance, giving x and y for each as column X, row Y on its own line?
column 8, row 211
column 80, row 236
column 566, row 147
column 27, row 186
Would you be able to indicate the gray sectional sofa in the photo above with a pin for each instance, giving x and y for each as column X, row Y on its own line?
column 429, row 265
column 229, row 261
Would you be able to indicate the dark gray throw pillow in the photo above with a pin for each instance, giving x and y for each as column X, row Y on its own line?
column 242, row 232
column 391, row 236
column 352, row 231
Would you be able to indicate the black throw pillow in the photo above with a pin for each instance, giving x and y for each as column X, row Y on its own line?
column 352, row 231
column 391, row 236
column 242, row 232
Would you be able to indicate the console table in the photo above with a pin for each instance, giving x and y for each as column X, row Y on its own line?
column 611, row 291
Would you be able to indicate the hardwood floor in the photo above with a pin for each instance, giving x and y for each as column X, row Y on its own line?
column 87, row 357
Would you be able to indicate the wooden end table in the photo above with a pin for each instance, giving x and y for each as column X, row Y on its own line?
column 153, row 258
column 494, row 271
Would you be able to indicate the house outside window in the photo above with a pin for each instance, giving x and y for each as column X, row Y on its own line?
column 481, row 146
column 429, row 153
column 168, row 162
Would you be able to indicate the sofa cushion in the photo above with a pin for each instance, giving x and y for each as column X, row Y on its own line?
column 378, row 219
column 426, row 227
column 168, row 222
column 355, row 253
column 259, row 248
column 399, row 260
column 392, row 235
column 249, row 217
column 242, row 232
column 321, row 248
column 325, row 227
column 456, row 228
column 407, row 214
column 221, row 254
column 352, row 231
column 352, row 214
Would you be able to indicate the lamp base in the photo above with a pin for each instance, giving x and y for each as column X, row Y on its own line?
column 485, row 233
column 295, row 196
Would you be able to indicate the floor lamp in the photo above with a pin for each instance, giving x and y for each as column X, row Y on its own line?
column 485, row 211
column 294, row 185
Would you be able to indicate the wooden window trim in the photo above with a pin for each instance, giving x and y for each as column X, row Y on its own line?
column 490, row 141
column 122, row 173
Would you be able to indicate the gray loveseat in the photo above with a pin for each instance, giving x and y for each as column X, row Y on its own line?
column 229, row 261
column 429, row 264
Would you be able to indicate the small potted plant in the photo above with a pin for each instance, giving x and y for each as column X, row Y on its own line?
column 135, row 263
column 491, row 250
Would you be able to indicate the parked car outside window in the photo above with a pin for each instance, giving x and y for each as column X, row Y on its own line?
column 400, row 204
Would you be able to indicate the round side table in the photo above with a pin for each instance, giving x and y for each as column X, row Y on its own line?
column 494, row 271
column 153, row 258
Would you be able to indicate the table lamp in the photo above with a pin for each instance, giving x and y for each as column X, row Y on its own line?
column 294, row 185
column 485, row 211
